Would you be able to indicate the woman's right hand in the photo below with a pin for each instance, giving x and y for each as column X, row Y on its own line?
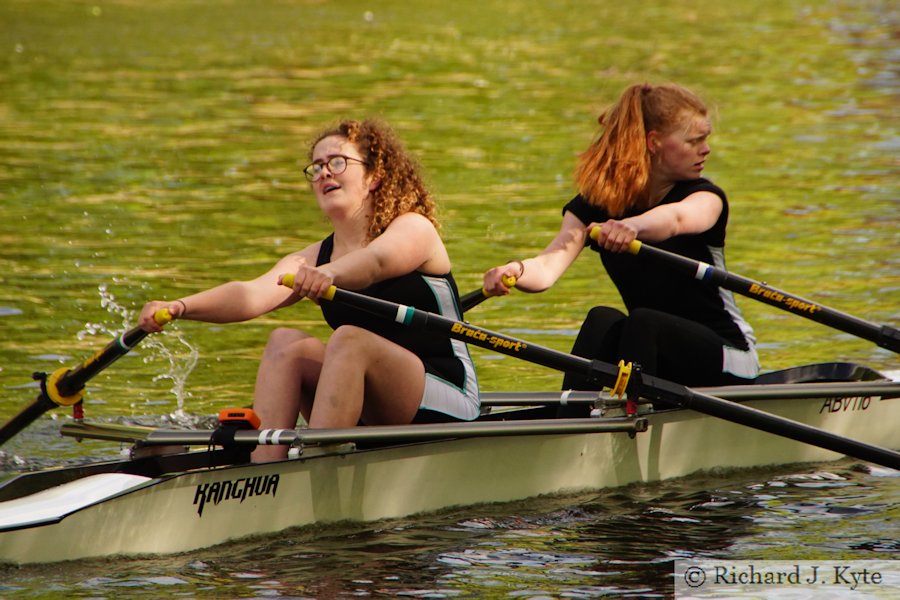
column 146, row 319
column 311, row 282
column 613, row 235
column 495, row 279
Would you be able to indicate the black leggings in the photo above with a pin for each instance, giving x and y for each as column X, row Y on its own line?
column 664, row 345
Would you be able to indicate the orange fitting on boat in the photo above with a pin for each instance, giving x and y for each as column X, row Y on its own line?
column 622, row 380
column 53, row 389
column 239, row 417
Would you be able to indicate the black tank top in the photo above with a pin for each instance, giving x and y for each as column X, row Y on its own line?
column 433, row 293
column 645, row 283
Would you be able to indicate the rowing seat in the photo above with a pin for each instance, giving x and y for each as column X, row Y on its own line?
column 53, row 504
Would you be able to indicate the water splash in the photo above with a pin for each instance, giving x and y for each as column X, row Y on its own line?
column 181, row 359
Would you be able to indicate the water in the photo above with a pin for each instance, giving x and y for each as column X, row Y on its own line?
column 154, row 149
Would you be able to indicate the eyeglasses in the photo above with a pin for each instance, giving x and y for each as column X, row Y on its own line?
column 337, row 164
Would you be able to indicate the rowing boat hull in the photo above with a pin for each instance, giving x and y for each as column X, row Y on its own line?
column 200, row 508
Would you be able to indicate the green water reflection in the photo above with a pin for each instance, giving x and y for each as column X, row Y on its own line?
column 152, row 149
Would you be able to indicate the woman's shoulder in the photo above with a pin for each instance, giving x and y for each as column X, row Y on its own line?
column 585, row 211
column 683, row 189
column 412, row 223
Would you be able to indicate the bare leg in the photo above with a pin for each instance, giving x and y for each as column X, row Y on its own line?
column 286, row 384
column 367, row 377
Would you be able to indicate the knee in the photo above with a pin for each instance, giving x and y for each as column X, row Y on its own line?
column 645, row 319
column 600, row 319
column 286, row 343
column 348, row 338
column 604, row 313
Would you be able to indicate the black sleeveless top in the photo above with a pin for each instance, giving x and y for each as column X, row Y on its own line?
column 645, row 283
column 433, row 293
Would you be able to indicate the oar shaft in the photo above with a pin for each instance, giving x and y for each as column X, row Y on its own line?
column 76, row 378
column 25, row 417
column 764, row 421
column 650, row 387
column 883, row 335
column 476, row 297
column 65, row 386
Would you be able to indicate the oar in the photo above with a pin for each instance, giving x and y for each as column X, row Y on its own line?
column 476, row 297
column 65, row 387
column 883, row 335
column 650, row 387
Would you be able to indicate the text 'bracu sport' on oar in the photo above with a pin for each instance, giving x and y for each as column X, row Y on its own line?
column 883, row 335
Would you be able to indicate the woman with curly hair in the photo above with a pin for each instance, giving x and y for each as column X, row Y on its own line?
column 385, row 244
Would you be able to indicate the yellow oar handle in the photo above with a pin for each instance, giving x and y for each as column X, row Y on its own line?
column 287, row 280
column 634, row 247
column 163, row 317
column 508, row 280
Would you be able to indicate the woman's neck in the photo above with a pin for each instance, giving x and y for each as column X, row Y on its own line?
column 657, row 188
column 350, row 234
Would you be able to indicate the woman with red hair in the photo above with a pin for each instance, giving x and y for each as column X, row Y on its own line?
column 640, row 180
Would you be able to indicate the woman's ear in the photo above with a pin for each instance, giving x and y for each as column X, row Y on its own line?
column 653, row 142
column 374, row 184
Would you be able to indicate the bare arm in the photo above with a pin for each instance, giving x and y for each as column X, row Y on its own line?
column 542, row 271
column 410, row 243
column 695, row 214
column 235, row 300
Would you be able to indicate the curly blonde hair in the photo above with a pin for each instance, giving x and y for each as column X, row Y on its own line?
column 613, row 172
column 401, row 189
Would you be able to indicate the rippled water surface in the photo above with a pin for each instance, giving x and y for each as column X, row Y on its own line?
column 151, row 149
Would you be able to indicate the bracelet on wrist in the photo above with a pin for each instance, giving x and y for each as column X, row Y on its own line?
column 183, row 307
column 521, row 267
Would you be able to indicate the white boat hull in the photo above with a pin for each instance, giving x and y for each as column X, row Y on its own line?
column 200, row 508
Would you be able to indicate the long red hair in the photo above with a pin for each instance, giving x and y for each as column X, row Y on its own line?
column 614, row 170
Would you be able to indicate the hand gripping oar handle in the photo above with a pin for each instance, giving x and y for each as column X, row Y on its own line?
column 883, row 335
column 65, row 387
column 476, row 297
column 608, row 375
